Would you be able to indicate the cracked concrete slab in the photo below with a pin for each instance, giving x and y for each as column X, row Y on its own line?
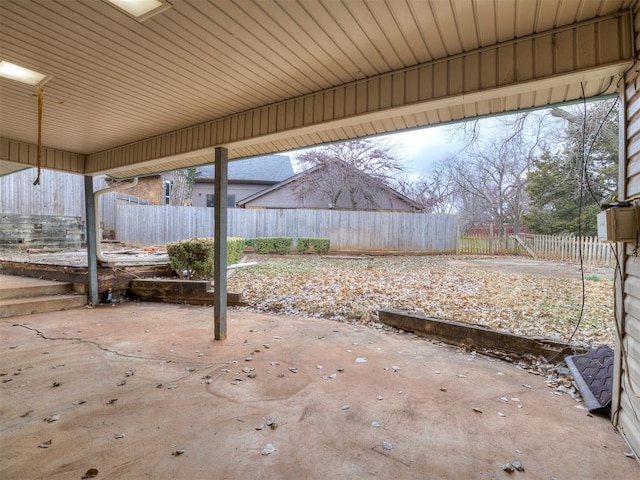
column 135, row 383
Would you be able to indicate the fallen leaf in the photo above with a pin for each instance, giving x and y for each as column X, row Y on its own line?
column 268, row 449
column 91, row 473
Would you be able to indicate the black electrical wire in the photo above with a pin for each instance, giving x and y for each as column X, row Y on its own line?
column 584, row 156
column 583, row 175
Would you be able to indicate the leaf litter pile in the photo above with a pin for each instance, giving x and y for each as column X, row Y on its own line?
column 354, row 289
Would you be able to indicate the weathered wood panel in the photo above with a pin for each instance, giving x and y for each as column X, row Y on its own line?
column 59, row 194
column 347, row 230
column 192, row 292
column 20, row 232
column 473, row 336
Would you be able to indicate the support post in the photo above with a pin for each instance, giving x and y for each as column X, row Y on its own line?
column 220, row 245
column 90, row 237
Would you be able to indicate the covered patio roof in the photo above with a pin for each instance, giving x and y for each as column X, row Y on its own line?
column 126, row 97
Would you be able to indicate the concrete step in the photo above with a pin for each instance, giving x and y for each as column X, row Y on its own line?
column 35, row 290
column 14, row 307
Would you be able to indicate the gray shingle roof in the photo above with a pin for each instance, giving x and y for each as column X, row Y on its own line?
column 268, row 168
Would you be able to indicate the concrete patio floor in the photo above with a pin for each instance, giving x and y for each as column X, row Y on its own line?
column 181, row 394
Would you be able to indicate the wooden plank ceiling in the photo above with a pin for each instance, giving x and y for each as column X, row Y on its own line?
column 262, row 76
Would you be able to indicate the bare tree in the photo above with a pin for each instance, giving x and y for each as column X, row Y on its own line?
column 489, row 178
column 353, row 170
column 432, row 191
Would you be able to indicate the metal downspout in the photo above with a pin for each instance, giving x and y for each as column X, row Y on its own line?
column 96, row 197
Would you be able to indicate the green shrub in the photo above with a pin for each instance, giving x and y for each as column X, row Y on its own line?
column 194, row 257
column 235, row 247
column 267, row 245
column 320, row 245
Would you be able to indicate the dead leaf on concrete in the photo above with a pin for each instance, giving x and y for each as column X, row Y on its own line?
column 268, row 449
column 508, row 468
column 46, row 444
column 91, row 473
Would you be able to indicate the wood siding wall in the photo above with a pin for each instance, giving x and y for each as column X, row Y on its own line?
column 626, row 401
column 348, row 231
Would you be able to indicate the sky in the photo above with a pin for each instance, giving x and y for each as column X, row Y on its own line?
column 422, row 147
column 418, row 148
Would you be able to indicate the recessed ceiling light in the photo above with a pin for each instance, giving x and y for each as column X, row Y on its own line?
column 141, row 9
column 21, row 74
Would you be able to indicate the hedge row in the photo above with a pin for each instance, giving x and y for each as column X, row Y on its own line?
column 319, row 245
column 283, row 245
column 193, row 258
column 267, row 245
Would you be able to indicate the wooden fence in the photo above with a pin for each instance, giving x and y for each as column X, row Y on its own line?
column 59, row 194
column 348, row 231
column 548, row 247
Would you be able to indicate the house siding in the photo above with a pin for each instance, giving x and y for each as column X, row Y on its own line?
column 626, row 402
column 240, row 191
column 287, row 197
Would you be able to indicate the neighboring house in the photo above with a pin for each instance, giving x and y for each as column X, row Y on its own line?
column 152, row 189
column 245, row 178
column 289, row 194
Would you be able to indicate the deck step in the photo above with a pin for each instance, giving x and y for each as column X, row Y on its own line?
column 14, row 307
column 35, row 290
